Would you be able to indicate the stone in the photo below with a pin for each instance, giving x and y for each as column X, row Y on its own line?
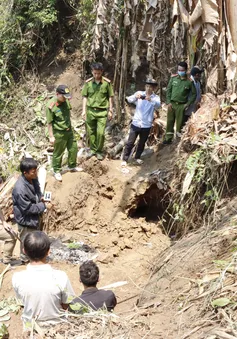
column 121, row 245
column 105, row 258
column 115, row 251
column 93, row 229
column 154, row 229
column 115, row 240
column 146, row 227
column 128, row 243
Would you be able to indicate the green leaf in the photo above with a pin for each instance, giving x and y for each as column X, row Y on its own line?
column 3, row 330
column 221, row 302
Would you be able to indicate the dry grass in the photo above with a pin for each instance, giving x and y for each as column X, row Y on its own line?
column 99, row 325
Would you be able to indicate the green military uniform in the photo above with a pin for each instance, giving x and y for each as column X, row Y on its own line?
column 58, row 114
column 181, row 93
column 97, row 95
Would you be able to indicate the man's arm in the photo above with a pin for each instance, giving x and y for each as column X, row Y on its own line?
column 169, row 92
column 27, row 207
column 49, row 117
column 193, row 95
column 51, row 136
column 132, row 99
column 110, row 113
column 67, row 294
column 84, row 103
column 156, row 102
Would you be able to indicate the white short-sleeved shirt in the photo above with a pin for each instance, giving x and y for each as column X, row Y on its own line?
column 42, row 290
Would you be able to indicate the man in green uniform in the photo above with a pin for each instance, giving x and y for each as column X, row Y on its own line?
column 97, row 98
column 181, row 93
column 60, row 131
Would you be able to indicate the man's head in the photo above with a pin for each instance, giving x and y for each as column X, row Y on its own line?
column 36, row 246
column 89, row 274
column 97, row 70
column 196, row 73
column 151, row 85
column 28, row 168
column 63, row 93
column 182, row 69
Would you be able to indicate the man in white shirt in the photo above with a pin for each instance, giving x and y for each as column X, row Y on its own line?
column 146, row 103
column 44, row 291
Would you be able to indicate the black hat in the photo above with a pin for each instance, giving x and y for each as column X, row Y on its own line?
column 64, row 90
column 196, row 70
column 151, row 82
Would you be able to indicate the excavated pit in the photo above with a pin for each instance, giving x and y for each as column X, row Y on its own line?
column 151, row 205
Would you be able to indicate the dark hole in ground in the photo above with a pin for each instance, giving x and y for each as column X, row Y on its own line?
column 151, row 205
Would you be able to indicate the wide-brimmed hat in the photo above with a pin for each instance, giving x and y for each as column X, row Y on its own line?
column 151, row 82
column 64, row 90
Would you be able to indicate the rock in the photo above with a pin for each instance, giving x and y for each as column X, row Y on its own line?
column 121, row 245
column 128, row 243
column 93, row 229
column 153, row 229
column 115, row 240
column 146, row 227
column 115, row 251
column 105, row 258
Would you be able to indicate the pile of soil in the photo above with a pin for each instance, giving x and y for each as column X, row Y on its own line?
column 94, row 206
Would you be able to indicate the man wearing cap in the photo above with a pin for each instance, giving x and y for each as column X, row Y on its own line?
column 97, row 107
column 60, row 131
column 181, row 93
column 146, row 103
column 195, row 76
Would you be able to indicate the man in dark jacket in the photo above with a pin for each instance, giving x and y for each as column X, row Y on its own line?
column 92, row 297
column 28, row 203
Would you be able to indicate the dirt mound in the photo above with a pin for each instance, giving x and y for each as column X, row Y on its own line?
column 95, row 206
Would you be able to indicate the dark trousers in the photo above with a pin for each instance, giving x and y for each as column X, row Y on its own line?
column 133, row 134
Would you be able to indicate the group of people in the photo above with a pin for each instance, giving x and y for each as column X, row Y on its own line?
column 183, row 97
column 97, row 108
column 44, row 291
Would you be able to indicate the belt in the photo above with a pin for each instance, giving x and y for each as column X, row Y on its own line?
column 98, row 109
column 178, row 103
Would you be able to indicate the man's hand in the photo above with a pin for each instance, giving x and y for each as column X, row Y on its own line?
column 170, row 106
column 52, row 140
column 6, row 226
column 138, row 96
column 110, row 114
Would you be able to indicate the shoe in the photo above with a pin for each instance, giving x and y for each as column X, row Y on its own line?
column 13, row 262
column 58, row 176
column 75, row 169
column 99, row 156
column 90, row 155
column 178, row 135
column 123, row 163
column 166, row 142
column 139, row 161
